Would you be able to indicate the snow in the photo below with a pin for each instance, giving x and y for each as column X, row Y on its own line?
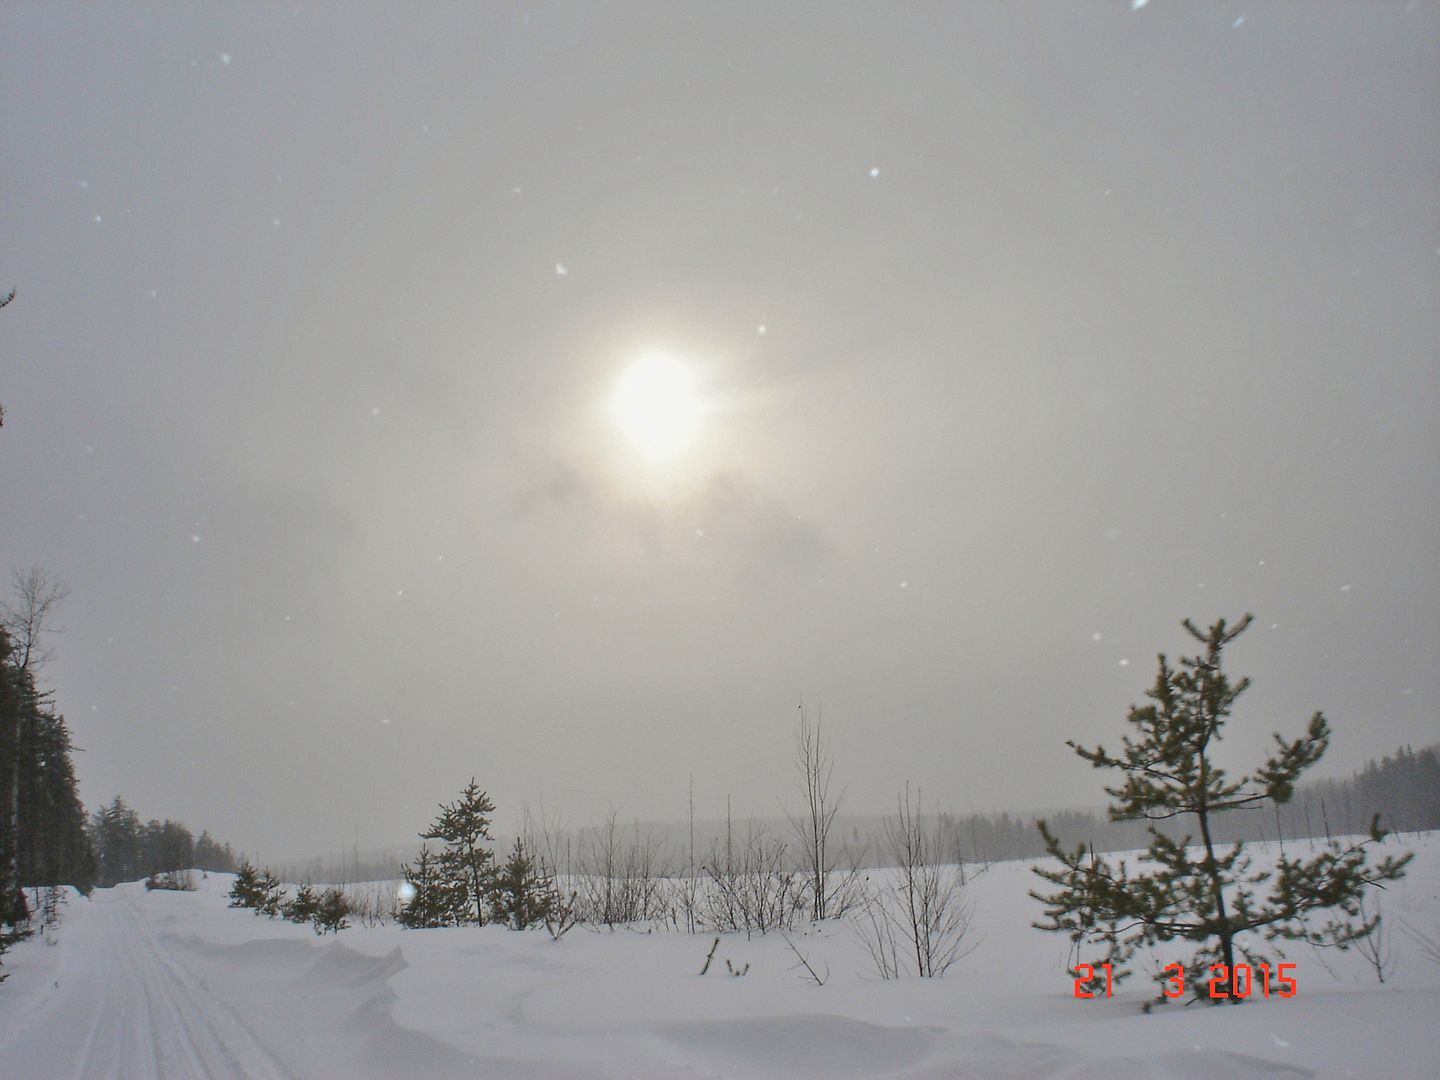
column 147, row 985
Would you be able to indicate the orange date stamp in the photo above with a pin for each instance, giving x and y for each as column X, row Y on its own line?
column 1239, row 982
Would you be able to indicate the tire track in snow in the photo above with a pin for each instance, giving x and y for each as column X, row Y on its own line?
column 153, row 1020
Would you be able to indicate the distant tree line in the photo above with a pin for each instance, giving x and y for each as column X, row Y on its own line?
column 1403, row 789
column 127, row 849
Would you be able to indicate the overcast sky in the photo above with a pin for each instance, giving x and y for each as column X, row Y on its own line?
column 1019, row 332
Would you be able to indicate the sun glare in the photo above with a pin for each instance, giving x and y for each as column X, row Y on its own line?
column 656, row 407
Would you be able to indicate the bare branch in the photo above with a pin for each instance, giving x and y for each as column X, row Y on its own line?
column 28, row 617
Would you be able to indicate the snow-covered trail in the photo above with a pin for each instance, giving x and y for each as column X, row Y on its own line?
column 125, row 1003
column 125, row 995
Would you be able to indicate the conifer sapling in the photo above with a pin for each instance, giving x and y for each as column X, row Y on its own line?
column 1212, row 899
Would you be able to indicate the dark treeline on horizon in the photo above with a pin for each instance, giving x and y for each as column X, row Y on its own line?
column 1403, row 790
column 127, row 849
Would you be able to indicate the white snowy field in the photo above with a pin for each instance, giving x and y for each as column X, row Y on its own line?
column 143, row 985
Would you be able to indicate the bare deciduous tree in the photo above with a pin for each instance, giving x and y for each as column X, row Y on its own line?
column 830, row 890
column 28, row 615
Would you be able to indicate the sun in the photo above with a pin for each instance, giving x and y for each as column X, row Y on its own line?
column 656, row 406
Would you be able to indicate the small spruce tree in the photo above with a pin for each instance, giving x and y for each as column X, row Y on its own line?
column 303, row 907
column 524, row 896
column 246, row 892
column 1218, row 903
column 434, row 900
column 272, row 895
column 331, row 911
column 466, row 863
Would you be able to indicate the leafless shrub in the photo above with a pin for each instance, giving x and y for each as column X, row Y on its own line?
column 561, row 918
column 878, row 933
column 1428, row 944
column 373, row 903
column 1377, row 947
column 750, row 888
column 620, row 880
column 918, row 921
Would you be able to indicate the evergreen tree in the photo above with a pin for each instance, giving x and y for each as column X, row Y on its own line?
column 524, row 896
column 1216, row 904
column 116, row 833
column 14, row 701
column 212, row 855
column 247, row 891
column 54, row 848
column 272, row 895
column 330, row 914
column 303, row 907
column 434, row 899
column 466, row 863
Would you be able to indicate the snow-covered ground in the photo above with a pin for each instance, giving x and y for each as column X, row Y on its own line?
column 143, row 985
